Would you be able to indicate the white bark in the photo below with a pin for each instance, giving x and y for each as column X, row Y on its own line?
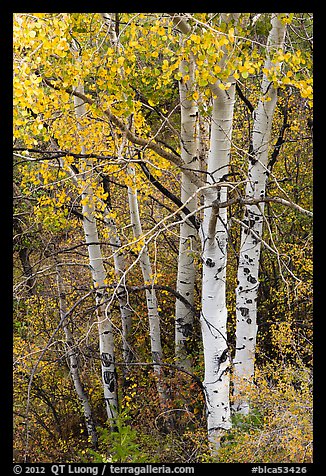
column 120, row 290
column 109, row 22
column 186, row 269
column 214, row 236
column 146, row 268
column 106, row 337
column 119, row 263
column 214, row 256
column 247, row 289
column 152, row 307
column 73, row 361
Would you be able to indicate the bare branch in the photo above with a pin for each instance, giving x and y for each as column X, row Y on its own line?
column 255, row 201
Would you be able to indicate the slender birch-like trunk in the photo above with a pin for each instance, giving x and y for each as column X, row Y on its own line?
column 120, row 290
column 119, row 262
column 214, row 237
column 248, row 283
column 73, row 361
column 152, row 306
column 184, row 317
column 106, row 337
column 214, row 256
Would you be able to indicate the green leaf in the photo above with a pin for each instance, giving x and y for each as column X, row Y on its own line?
column 202, row 82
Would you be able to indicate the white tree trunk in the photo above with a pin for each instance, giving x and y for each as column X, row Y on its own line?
column 214, row 255
column 121, row 291
column 249, row 258
column 119, row 262
column 73, row 361
column 152, row 306
column 184, row 317
column 106, row 337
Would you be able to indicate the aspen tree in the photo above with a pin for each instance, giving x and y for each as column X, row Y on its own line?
column 213, row 234
column 249, row 259
column 73, row 360
column 106, row 336
column 145, row 264
column 188, row 234
column 151, row 299
column 113, row 236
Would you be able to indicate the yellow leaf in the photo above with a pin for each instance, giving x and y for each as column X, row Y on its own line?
column 195, row 96
column 195, row 38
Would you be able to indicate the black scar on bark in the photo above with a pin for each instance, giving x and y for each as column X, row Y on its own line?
column 106, row 359
column 109, row 379
column 248, row 301
column 224, row 356
column 210, row 263
column 246, row 270
column 218, row 271
column 244, row 311
column 251, row 223
column 251, row 279
column 249, row 321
